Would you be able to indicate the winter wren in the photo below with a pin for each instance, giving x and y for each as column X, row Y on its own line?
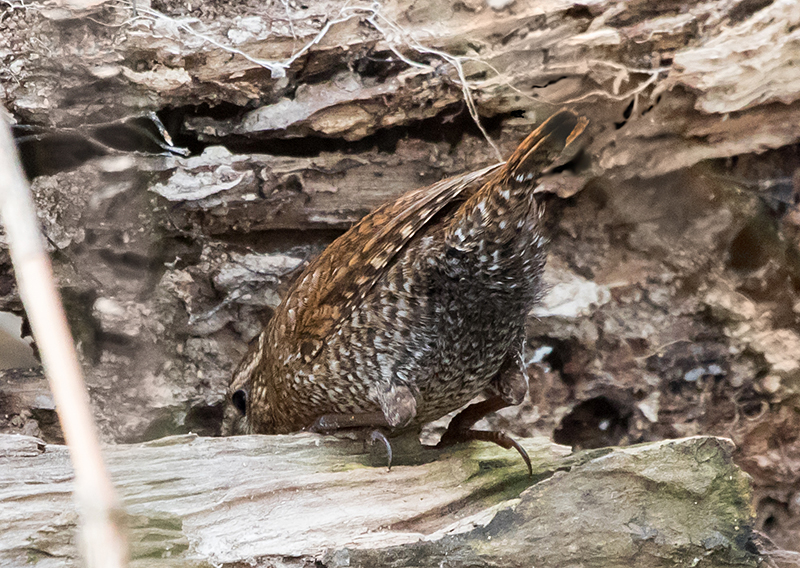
column 414, row 311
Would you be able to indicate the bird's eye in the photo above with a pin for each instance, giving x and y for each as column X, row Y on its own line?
column 239, row 400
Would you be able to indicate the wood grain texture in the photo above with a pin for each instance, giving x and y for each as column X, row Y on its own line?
column 290, row 500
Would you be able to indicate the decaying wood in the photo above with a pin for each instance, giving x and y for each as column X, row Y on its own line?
column 151, row 269
column 673, row 307
column 345, row 70
column 293, row 500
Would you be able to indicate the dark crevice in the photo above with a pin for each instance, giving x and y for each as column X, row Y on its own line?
column 378, row 65
column 594, row 423
column 48, row 154
column 318, row 68
column 772, row 515
column 128, row 260
column 561, row 359
column 626, row 114
column 117, row 343
column 281, row 241
column 579, row 12
column 579, row 163
column 134, row 135
column 552, row 81
column 78, row 307
column 370, row 65
column 750, row 248
column 202, row 419
column 746, row 9
column 645, row 12
column 45, row 151
column 451, row 125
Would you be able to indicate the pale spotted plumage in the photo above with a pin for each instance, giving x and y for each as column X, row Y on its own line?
column 415, row 310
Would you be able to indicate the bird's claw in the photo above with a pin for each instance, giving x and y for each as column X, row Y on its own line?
column 378, row 436
column 502, row 439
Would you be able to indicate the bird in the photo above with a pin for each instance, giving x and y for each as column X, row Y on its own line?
column 414, row 311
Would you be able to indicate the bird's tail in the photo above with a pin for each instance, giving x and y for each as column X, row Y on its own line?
column 504, row 208
column 543, row 146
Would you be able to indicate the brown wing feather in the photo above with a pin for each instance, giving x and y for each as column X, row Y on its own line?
column 354, row 262
column 341, row 277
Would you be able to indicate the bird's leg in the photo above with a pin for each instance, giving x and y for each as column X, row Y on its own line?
column 509, row 388
column 329, row 423
column 398, row 408
column 460, row 429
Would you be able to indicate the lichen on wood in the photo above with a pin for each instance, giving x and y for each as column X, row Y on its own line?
column 298, row 499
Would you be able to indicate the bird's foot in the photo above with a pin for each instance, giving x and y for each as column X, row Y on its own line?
column 460, row 429
column 377, row 438
column 455, row 436
column 329, row 423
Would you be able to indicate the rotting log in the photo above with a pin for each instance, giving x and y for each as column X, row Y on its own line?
column 169, row 264
column 299, row 499
column 688, row 81
column 674, row 305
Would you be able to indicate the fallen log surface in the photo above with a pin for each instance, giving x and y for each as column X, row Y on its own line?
column 299, row 499
column 674, row 274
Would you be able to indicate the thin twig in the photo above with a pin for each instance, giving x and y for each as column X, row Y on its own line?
column 103, row 540
column 276, row 68
column 451, row 59
column 371, row 15
column 290, row 19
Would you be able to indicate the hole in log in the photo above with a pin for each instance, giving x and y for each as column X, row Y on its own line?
column 594, row 423
column 748, row 251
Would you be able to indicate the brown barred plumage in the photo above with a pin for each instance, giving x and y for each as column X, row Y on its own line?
column 415, row 310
